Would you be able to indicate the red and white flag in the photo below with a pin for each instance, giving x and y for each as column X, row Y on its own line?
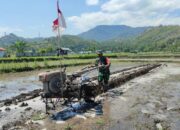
column 60, row 21
column 55, row 24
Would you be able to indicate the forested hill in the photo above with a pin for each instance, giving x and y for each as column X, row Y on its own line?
column 10, row 39
column 108, row 32
column 162, row 38
column 73, row 42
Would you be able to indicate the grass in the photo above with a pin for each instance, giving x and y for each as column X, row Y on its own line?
column 68, row 127
column 35, row 63
column 28, row 66
column 92, row 56
column 38, row 116
column 100, row 122
column 52, row 58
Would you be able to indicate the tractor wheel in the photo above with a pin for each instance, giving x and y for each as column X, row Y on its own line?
column 55, row 85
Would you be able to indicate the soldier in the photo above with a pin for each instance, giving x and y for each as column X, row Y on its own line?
column 103, row 64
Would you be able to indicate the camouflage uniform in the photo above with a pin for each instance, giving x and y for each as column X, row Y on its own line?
column 104, row 72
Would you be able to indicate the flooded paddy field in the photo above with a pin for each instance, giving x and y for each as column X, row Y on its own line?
column 12, row 84
column 148, row 102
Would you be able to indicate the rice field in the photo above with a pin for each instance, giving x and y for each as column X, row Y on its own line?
column 46, row 64
column 34, row 63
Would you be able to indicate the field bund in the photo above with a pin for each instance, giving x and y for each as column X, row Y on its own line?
column 22, row 64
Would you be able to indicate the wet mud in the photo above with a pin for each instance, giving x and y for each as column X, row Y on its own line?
column 13, row 84
column 148, row 102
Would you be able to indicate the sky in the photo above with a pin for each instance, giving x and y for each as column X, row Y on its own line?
column 33, row 18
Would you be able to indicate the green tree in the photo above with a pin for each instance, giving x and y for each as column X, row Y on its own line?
column 49, row 49
column 20, row 46
column 42, row 51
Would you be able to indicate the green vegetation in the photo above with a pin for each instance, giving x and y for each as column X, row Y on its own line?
column 162, row 38
column 91, row 56
column 38, row 116
column 52, row 58
column 107, row 32
column 156, row 42
column 157, row 39
column 35, row 63
column 154, row 39
column 28, row 66
column 19, row 46
column 75, row 43
column 100, row 122
column 68, row 127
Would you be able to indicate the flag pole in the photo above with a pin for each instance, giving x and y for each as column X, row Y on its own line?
column 59, row 45
column 58, row 35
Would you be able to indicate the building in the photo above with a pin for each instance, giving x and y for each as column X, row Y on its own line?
column 2, row 52
column 63, row 51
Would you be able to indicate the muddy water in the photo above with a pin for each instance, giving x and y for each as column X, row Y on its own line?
column 13, row 84
column 149, row 102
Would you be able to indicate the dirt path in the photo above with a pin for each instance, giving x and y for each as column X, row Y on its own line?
column 148, row 102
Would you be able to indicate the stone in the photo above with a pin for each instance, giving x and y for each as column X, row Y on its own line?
column 14, row 102
column 23, row 104
column 28, row 109
column 7, row 109
column 8, row 102
column 160, row 117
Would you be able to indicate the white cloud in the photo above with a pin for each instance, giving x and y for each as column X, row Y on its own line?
column 88, row 20
column 92, row 2
column 130, row 12
column 9, row 30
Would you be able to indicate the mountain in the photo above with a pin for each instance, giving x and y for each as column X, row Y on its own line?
column 73, row 42
column 162, row 38
column 10, row 39
column 38, row 39
column 108, row 32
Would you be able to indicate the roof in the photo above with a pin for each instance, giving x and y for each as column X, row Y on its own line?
column 66, row 49
column 2, row 49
